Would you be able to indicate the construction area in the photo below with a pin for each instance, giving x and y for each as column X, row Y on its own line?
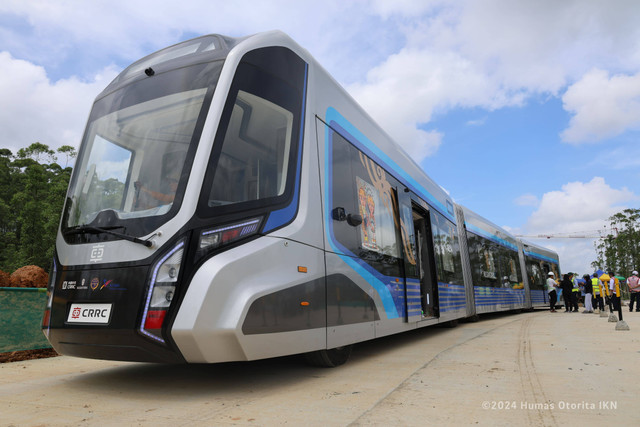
column 531, row 369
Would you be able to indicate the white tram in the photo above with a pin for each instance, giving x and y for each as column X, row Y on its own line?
column 230, row 201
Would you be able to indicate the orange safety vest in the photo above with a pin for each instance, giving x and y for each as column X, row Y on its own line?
column 617, row 286
column 605, row 288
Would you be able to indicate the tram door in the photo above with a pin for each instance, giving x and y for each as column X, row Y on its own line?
column 419, row 266
column 425, row 262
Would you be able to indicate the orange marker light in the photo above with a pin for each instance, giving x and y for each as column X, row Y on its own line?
column 302, row 269
column 304, row 303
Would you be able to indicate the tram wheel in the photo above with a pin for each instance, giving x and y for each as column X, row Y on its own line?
column 329, row 358
column 449, row 324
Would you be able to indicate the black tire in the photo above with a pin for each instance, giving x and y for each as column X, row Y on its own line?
column 449, row 324
column 329, row 358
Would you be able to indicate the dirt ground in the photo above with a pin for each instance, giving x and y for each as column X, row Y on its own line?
column 530, row 369
column 18, row 356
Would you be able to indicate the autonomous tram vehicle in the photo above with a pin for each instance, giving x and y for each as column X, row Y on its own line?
column 230, row 202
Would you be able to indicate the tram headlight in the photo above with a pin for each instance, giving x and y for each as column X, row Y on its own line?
column 162, row 287
column 216, row 237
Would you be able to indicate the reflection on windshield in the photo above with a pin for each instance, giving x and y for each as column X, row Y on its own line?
column 133, row 158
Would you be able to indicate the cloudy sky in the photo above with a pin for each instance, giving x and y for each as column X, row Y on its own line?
column 527, row 112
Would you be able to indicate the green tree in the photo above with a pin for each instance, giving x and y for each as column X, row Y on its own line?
column 69, row 152
column 619, row 250
column 7, row 219
column 32, row 192
column 37, row 152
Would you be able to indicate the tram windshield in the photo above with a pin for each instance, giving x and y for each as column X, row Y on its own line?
column 134, row 158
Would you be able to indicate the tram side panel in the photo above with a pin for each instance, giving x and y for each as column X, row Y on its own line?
column 355, row 183
column 497, row 278
column 364, row 247
column 539, row 262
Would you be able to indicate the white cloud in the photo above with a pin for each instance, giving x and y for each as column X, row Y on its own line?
column 38, row 110
column 575, row 255
column 527, row 200
column 477, row 122
column 388, row 8
column 602, row 106
column 494, row 54
column 579, row 208
column 407, row 89
column 424, row 57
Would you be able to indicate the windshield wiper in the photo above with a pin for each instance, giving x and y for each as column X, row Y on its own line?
column 89, row 228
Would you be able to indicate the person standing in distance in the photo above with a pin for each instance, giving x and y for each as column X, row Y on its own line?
column 588, row 291
column 567, row 291
column 633, row 283
column 614, row 291
column 551, row 290
column 598, row 301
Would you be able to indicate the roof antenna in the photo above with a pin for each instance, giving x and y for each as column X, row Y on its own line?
column 149, row 72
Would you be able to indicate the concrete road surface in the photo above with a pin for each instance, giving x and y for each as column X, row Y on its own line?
column 531, row 369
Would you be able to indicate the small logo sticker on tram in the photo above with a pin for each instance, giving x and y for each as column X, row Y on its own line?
column 97, row 252
column 95, row 282
column 112, row 286
column 75, row 312
column 71, row 284
column 90, row 313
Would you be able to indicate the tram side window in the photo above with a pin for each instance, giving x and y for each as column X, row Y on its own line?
column 536, row 274
column 252, row 163
column 447, row 250
column 483, row 255
column 362, row 187
column 253, row 160
column 510, row 269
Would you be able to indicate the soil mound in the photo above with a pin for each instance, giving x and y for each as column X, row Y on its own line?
column 30, row 276
column 5, row 279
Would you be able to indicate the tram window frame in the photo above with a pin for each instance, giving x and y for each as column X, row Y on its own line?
column 476, row 243
column 507, row 257
column 441, row 227
column 536, row 284
column 353, row 170
column 272, row 75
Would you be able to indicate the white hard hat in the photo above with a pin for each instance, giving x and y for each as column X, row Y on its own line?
column 634, row 273
column 550, row 273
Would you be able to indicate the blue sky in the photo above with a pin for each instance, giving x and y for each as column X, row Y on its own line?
column 526, row 112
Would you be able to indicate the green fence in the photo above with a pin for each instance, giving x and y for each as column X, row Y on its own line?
column 21, row 311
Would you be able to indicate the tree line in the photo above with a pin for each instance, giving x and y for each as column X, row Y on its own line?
column 33, row 187
column 619, row 250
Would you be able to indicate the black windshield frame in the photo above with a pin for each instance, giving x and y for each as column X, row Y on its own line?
column 277, row 75
column 198, row 76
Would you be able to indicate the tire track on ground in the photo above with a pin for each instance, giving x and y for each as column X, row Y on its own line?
column 407, row 383
column 532, row 390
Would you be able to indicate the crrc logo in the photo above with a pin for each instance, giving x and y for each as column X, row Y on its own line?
column 97, row 252
column 98, row 313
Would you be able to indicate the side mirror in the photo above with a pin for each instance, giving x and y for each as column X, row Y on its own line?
column 354, row 219
column 339, row 214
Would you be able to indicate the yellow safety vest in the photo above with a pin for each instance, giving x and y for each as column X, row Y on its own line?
column 595, row 285
column 576, row 288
